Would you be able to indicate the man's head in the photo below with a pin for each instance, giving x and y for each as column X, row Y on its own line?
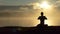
column 42, row 13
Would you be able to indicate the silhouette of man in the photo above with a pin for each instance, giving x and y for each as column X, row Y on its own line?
column 42, row 18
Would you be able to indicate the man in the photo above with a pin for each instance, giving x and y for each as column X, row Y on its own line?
column 42, row 18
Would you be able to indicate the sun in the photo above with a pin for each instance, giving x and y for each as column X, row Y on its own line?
column 44, row 5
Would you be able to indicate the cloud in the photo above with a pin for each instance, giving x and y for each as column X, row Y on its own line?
column 16, row 16
column 16, row 2
column 57, row 5
column 16, row 11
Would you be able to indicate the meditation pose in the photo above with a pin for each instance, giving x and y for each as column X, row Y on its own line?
column 42, row 18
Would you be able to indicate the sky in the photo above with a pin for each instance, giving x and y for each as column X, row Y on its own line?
column 11, row 14
column 15, row 2
column 20, row 2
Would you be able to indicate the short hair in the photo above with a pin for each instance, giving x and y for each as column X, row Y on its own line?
column 41, row 12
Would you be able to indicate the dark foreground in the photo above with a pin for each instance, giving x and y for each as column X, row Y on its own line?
column 30, row 30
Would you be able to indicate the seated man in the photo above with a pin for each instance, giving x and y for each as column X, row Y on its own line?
column 42, row 18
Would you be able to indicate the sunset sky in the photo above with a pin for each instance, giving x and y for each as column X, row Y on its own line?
column 25, row 12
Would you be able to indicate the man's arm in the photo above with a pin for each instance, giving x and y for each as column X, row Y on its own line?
column 38, row 17
column 46, row 18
